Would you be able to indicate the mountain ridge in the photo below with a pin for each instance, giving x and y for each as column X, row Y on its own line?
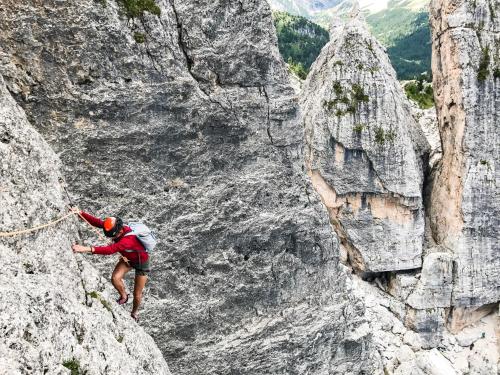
column 402, row 26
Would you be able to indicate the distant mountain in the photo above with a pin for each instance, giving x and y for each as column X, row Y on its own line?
column 299, row 41
column 304, row 8
column 401, row 25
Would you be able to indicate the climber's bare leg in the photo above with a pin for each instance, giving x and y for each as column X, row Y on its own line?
column 140, row 282
column 117, row 278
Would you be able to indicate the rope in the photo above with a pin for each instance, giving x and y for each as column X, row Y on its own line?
column 54, row 222
column 94, row 229
column 34, row 229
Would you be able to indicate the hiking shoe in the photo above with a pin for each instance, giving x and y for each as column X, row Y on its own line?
column 122, row 301
column 135, row 317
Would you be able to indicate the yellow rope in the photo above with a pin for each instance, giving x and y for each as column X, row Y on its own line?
column 34, row 229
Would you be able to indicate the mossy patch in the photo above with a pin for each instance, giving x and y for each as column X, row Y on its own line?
column 139, row 37
column 337, row 88
column 359, row 94
column 358, row 128
column 93, row 294
column 98, row 297
column 348, row 99
column 73, row 365
column 381, row 136
column 136, row 8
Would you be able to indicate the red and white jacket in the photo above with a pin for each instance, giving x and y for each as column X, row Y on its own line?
column 120, row 244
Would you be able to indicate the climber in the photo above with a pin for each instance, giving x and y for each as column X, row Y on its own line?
column 133, row 255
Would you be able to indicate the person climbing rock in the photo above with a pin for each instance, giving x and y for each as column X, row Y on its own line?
column 133, row 255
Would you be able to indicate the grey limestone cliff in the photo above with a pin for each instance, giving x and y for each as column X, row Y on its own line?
column 182, row 114
column 365, row 150
column 55, row 309
column 186, row 119
column 464, row 207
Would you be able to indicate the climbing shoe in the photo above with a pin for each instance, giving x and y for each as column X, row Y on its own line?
column 122, row 301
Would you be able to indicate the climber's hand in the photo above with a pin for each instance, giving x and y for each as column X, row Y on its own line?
column 81, row 249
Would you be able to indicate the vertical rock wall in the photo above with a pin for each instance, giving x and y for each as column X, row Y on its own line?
column 464, row 208
column 186, row 119
column 55, row 309
column 364, row 151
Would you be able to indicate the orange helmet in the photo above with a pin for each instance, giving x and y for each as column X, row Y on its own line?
column 111, row 226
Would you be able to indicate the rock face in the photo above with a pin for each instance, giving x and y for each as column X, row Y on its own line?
column 405, row 352
column 54, row 307
column 364, row 151
column 182, row 114
column 185, row 118
column 464, row 207
column 427, row 120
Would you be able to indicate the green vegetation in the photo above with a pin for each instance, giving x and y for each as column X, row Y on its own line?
column 297, row 68
column 120, row 339
column 337, row 88
column 483, row 71
column 382, row 136
column 299, row 41
column 420, row 92
column 136, row 8
column 94, row 295
column 73, row 365
column 358, row 128
column 403, row 31
column 359, row 93
column 139, row 37
column 410, row 49
column 349, row 101
column 98, row 297
column 379, row 136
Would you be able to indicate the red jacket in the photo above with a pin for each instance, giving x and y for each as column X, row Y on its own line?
column 120, row 244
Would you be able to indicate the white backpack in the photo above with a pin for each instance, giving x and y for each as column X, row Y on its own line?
column 144, row 234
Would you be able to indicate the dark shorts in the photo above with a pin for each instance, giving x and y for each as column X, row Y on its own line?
column 141, row 269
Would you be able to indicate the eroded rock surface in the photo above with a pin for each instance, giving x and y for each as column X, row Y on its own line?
column 186, row 119
column 406, row 352
column 364, row 151
column 55, row 309
column 465, row 208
